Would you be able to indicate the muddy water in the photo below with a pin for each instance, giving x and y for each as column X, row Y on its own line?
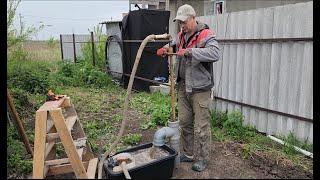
column 145, row 156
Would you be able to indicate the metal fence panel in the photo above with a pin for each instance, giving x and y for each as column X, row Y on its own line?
column 272, row 75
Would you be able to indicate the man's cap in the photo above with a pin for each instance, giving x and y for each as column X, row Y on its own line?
column 184, row 12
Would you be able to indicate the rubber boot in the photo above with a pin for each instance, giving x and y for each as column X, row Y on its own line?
column 185, row 158
column 200, row 165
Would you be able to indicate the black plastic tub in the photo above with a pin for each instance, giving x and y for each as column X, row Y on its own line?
column 158, row 169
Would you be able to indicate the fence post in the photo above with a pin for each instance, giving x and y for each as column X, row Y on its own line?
column 93, row 54
column 74, row 49
column 61, row 46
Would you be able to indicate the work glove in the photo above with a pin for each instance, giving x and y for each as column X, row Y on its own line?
column 183, row 52
column 162, row 51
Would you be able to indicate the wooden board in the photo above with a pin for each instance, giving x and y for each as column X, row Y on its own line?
column 67, row 142
column 39, row 141
column 92, row 167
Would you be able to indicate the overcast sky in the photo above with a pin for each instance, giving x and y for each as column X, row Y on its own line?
column 67, row 17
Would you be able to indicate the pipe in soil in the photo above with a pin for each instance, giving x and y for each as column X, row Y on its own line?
column 309, row 154
column 149, row 38
column 172, row 132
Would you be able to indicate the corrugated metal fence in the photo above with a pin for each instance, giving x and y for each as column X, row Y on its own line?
column 268, row 74
column 71, row 45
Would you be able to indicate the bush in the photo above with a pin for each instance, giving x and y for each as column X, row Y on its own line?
column 30, row 76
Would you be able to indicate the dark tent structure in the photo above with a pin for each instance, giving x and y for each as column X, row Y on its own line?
column 137, row 25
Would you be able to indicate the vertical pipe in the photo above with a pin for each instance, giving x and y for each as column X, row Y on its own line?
column 93, row 54
column 173, row 109
column 61, row 46
column 167, row 5
column 74, row 49
column 19, row 124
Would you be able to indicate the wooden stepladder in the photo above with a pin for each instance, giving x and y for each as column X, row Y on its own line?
column 57, row 123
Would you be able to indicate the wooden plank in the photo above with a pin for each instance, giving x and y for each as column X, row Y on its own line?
column 49, row 147
column 66, row 102
column 80, row 133
column 40, row 144
column 49, row 125
column 57, row 161
column 67, row 142
column 63, row 160
column 70, row 121
column 52, row 104
column 80, row 142
column 52, row 136
column 91, row 171
column 63, row 169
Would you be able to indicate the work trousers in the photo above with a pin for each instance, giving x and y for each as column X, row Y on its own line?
column 194, row 118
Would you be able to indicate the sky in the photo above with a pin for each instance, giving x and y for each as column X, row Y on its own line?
column 67, row 17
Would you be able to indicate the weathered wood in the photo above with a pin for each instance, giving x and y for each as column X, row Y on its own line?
column 80, row 134
column 40, row 144
column 63, row 169
column 63, row 160
column 70, row 122
column 67, row 142
column 52, row 104
column 19, row 124
column 49, row 147
column 92, row 167
column 49, row 125
column 66, row 102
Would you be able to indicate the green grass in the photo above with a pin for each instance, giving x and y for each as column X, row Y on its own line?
column 17, row 160
column 132, row 139
column 229, row 127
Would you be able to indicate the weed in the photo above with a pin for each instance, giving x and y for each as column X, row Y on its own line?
column 246, row 151
column 156, row 105
column 117, row 117
column 132, row 139
column 218, row 134
column 146, row 124
column 291, row 140
column 17, row 162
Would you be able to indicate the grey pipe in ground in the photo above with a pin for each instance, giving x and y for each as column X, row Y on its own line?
column 172, row 132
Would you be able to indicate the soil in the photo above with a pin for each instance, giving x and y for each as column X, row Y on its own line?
column 226, row 159
column 227, row 162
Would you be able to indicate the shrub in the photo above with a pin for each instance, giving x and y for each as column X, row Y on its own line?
column 30, row 76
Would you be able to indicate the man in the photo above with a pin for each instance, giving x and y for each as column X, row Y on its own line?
column 197, row 50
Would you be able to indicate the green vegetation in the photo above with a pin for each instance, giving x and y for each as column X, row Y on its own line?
column 132, row 139
column 156, row 105
column 229, row 127
column 99, row 48
column 16, row 154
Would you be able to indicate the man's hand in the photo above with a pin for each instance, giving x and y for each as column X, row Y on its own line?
column 183, row 52
column 162, row 51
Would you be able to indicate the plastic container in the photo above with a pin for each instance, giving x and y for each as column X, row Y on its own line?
column 159, row 169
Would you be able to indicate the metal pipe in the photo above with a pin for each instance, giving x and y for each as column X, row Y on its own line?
column 267, row 110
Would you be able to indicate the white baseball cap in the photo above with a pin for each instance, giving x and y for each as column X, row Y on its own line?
column 184, row 12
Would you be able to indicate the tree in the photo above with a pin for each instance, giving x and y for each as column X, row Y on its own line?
column 23, row 33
